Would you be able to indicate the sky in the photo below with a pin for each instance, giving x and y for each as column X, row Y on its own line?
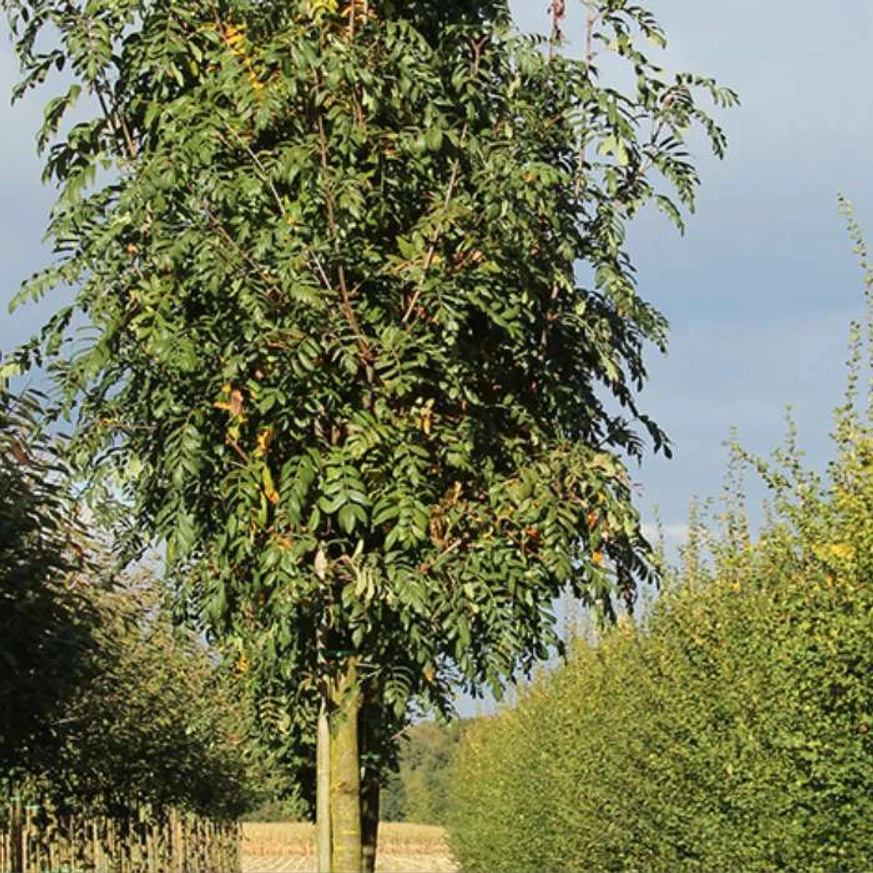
column 761, row 289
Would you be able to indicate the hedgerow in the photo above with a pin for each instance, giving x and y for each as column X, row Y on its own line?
column 729, row 730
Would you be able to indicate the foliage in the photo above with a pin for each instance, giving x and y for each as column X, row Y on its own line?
column 732, row 731
column 271, row 811
column 153, row 723
column 156, row 725
column 279, row 725
column 337, row 355
column 102, row 703
column 46, row 621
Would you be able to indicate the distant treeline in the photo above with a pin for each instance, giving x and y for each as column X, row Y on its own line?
column 419, row 791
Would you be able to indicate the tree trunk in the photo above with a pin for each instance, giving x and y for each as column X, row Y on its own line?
column 345, row 772
column 370, row 786
column 369, row 818
column 322, row 789
column 17, row 835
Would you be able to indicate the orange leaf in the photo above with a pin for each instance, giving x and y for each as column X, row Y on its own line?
column 234, row 403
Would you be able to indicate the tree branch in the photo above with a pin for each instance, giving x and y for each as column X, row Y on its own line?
column 349, row 313
column 450, row 191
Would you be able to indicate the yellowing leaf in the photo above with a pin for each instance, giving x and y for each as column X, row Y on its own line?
column 320, row 564
column 843, row 551
column 328, row 6
column 234, row 32
column 234, row 37
column 269, row 487
column 283, row 541
column 265, row 437
column 234, row 402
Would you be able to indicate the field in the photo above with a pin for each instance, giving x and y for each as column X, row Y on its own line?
column 290, row 848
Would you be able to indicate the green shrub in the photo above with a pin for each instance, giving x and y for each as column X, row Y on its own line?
column 730, row 734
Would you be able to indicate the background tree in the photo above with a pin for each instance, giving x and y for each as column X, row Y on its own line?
column 419, row 790
column 47, row 622
column 341, row 361
column 103, row 704
column 156, row 724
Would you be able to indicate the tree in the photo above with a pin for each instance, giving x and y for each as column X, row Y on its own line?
column 102, row 703
column 149, row 721
column 341, row 362
column 155, row 724
column 47, row 625
column 419, row 790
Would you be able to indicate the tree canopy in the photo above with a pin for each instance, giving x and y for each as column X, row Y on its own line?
column 340, row 355
column 157, row 723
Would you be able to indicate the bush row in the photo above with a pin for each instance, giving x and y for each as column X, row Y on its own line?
column 730, row 730
column 733, row 732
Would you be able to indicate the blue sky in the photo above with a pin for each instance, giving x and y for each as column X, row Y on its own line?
column 760, row 290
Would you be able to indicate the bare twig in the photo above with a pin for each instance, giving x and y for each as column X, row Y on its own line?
column 438, row 232
column 237, row 448
column 109, row 106
column 558, row 9
column 228, row 238
column 590, row 23
column 426, row 568
column 547, row 319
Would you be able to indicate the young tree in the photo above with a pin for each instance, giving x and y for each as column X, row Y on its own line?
column 341, row 361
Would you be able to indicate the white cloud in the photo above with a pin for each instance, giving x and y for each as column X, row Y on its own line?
column 675, row 535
